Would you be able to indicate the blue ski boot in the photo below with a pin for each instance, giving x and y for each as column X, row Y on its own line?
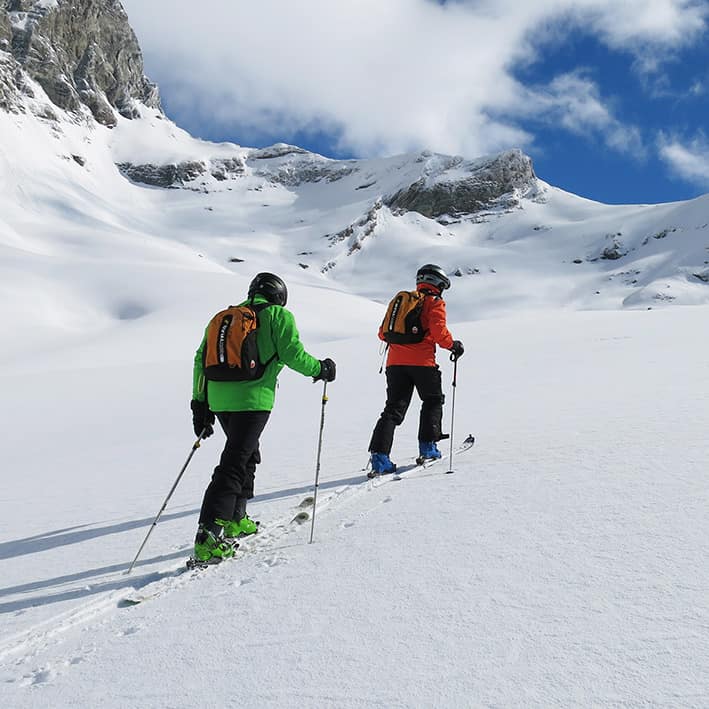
column 428, row 450
column 381, row 464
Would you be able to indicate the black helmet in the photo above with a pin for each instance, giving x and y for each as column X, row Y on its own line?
column 435, row 275
column 271, row 287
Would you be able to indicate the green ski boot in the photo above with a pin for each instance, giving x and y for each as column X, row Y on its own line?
column 210, row 548
column 241, row 525
column 238, row 528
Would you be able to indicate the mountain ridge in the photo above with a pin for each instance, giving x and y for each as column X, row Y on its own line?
column 83, row 55
column 139, row 186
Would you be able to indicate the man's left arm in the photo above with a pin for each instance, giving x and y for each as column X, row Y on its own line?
column 289, row 348
column 437, row 324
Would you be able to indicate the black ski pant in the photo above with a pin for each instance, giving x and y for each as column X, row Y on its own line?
column 233, row 478
column 401, row 381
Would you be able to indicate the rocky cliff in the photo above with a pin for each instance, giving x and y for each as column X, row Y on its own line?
column 467, row 187
column 81, row 52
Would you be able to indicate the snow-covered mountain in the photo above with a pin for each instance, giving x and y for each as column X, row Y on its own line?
column 94, row 172
column 563, row 564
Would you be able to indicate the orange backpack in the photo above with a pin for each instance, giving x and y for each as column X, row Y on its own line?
column 402, row 322
column 230, row 352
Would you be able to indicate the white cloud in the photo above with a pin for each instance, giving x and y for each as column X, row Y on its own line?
column 688, row 159
column 573, row 101
column 387, row 76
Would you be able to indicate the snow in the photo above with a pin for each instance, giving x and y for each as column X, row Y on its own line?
column 19, row 20
column 563, row 564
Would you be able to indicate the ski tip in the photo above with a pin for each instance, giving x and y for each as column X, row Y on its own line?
column 127, row 602
column 307, row 501
column 301, row 517
column 132, row 601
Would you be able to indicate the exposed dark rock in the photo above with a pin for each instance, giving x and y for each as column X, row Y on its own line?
column 702, row 275
column 5, row 31
column 226, row 169
column 276, row 151
column 492, row 183
column 664, row 233
column 7, row 87
column 467, row 271
column 613, row 252
column 304, row 167
column 359, row 231
column 163, row 175
column 82, row 52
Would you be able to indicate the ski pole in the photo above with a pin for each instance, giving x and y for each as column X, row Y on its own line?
column 169, row 495
column 455, row 380
column 317, row 465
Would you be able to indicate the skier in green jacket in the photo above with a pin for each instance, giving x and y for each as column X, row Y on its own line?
column 243, row 408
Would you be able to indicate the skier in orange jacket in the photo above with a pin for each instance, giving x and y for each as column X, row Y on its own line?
column 414, row 366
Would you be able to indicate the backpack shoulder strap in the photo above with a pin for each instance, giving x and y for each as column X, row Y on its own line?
column 258, row 307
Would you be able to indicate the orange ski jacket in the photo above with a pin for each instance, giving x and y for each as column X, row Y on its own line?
column 433, row 319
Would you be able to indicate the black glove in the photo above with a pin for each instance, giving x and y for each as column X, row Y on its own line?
column 202, row 418
column 327, row 371
column 457, row 350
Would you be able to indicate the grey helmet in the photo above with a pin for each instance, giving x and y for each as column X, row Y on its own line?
column 435, row 275
column 271, row 287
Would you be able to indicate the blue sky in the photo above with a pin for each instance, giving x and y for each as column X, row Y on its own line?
column 609, row 98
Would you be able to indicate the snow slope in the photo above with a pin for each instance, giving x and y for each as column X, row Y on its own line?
column 564, row 564
column 70, row 222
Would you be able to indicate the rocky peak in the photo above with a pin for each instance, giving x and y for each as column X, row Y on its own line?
column 453, row 186
column 81, row 52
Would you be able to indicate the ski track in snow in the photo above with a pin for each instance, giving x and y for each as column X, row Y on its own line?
column 21, row 649
column 19, row 653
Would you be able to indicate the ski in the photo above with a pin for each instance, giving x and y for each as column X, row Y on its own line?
column 196, row 566
column 303, row 515
column 193, row 568
column 423, row 463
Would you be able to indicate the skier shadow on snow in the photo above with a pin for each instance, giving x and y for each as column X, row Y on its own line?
column 135, row 581
column 301, row 489
column 85, row 532
column 75, row 535
column 81, row 533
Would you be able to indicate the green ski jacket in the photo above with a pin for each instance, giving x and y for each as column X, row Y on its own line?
column 277, row 337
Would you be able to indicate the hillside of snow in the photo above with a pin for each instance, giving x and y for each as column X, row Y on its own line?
column 562, row 564
column 70, row 219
